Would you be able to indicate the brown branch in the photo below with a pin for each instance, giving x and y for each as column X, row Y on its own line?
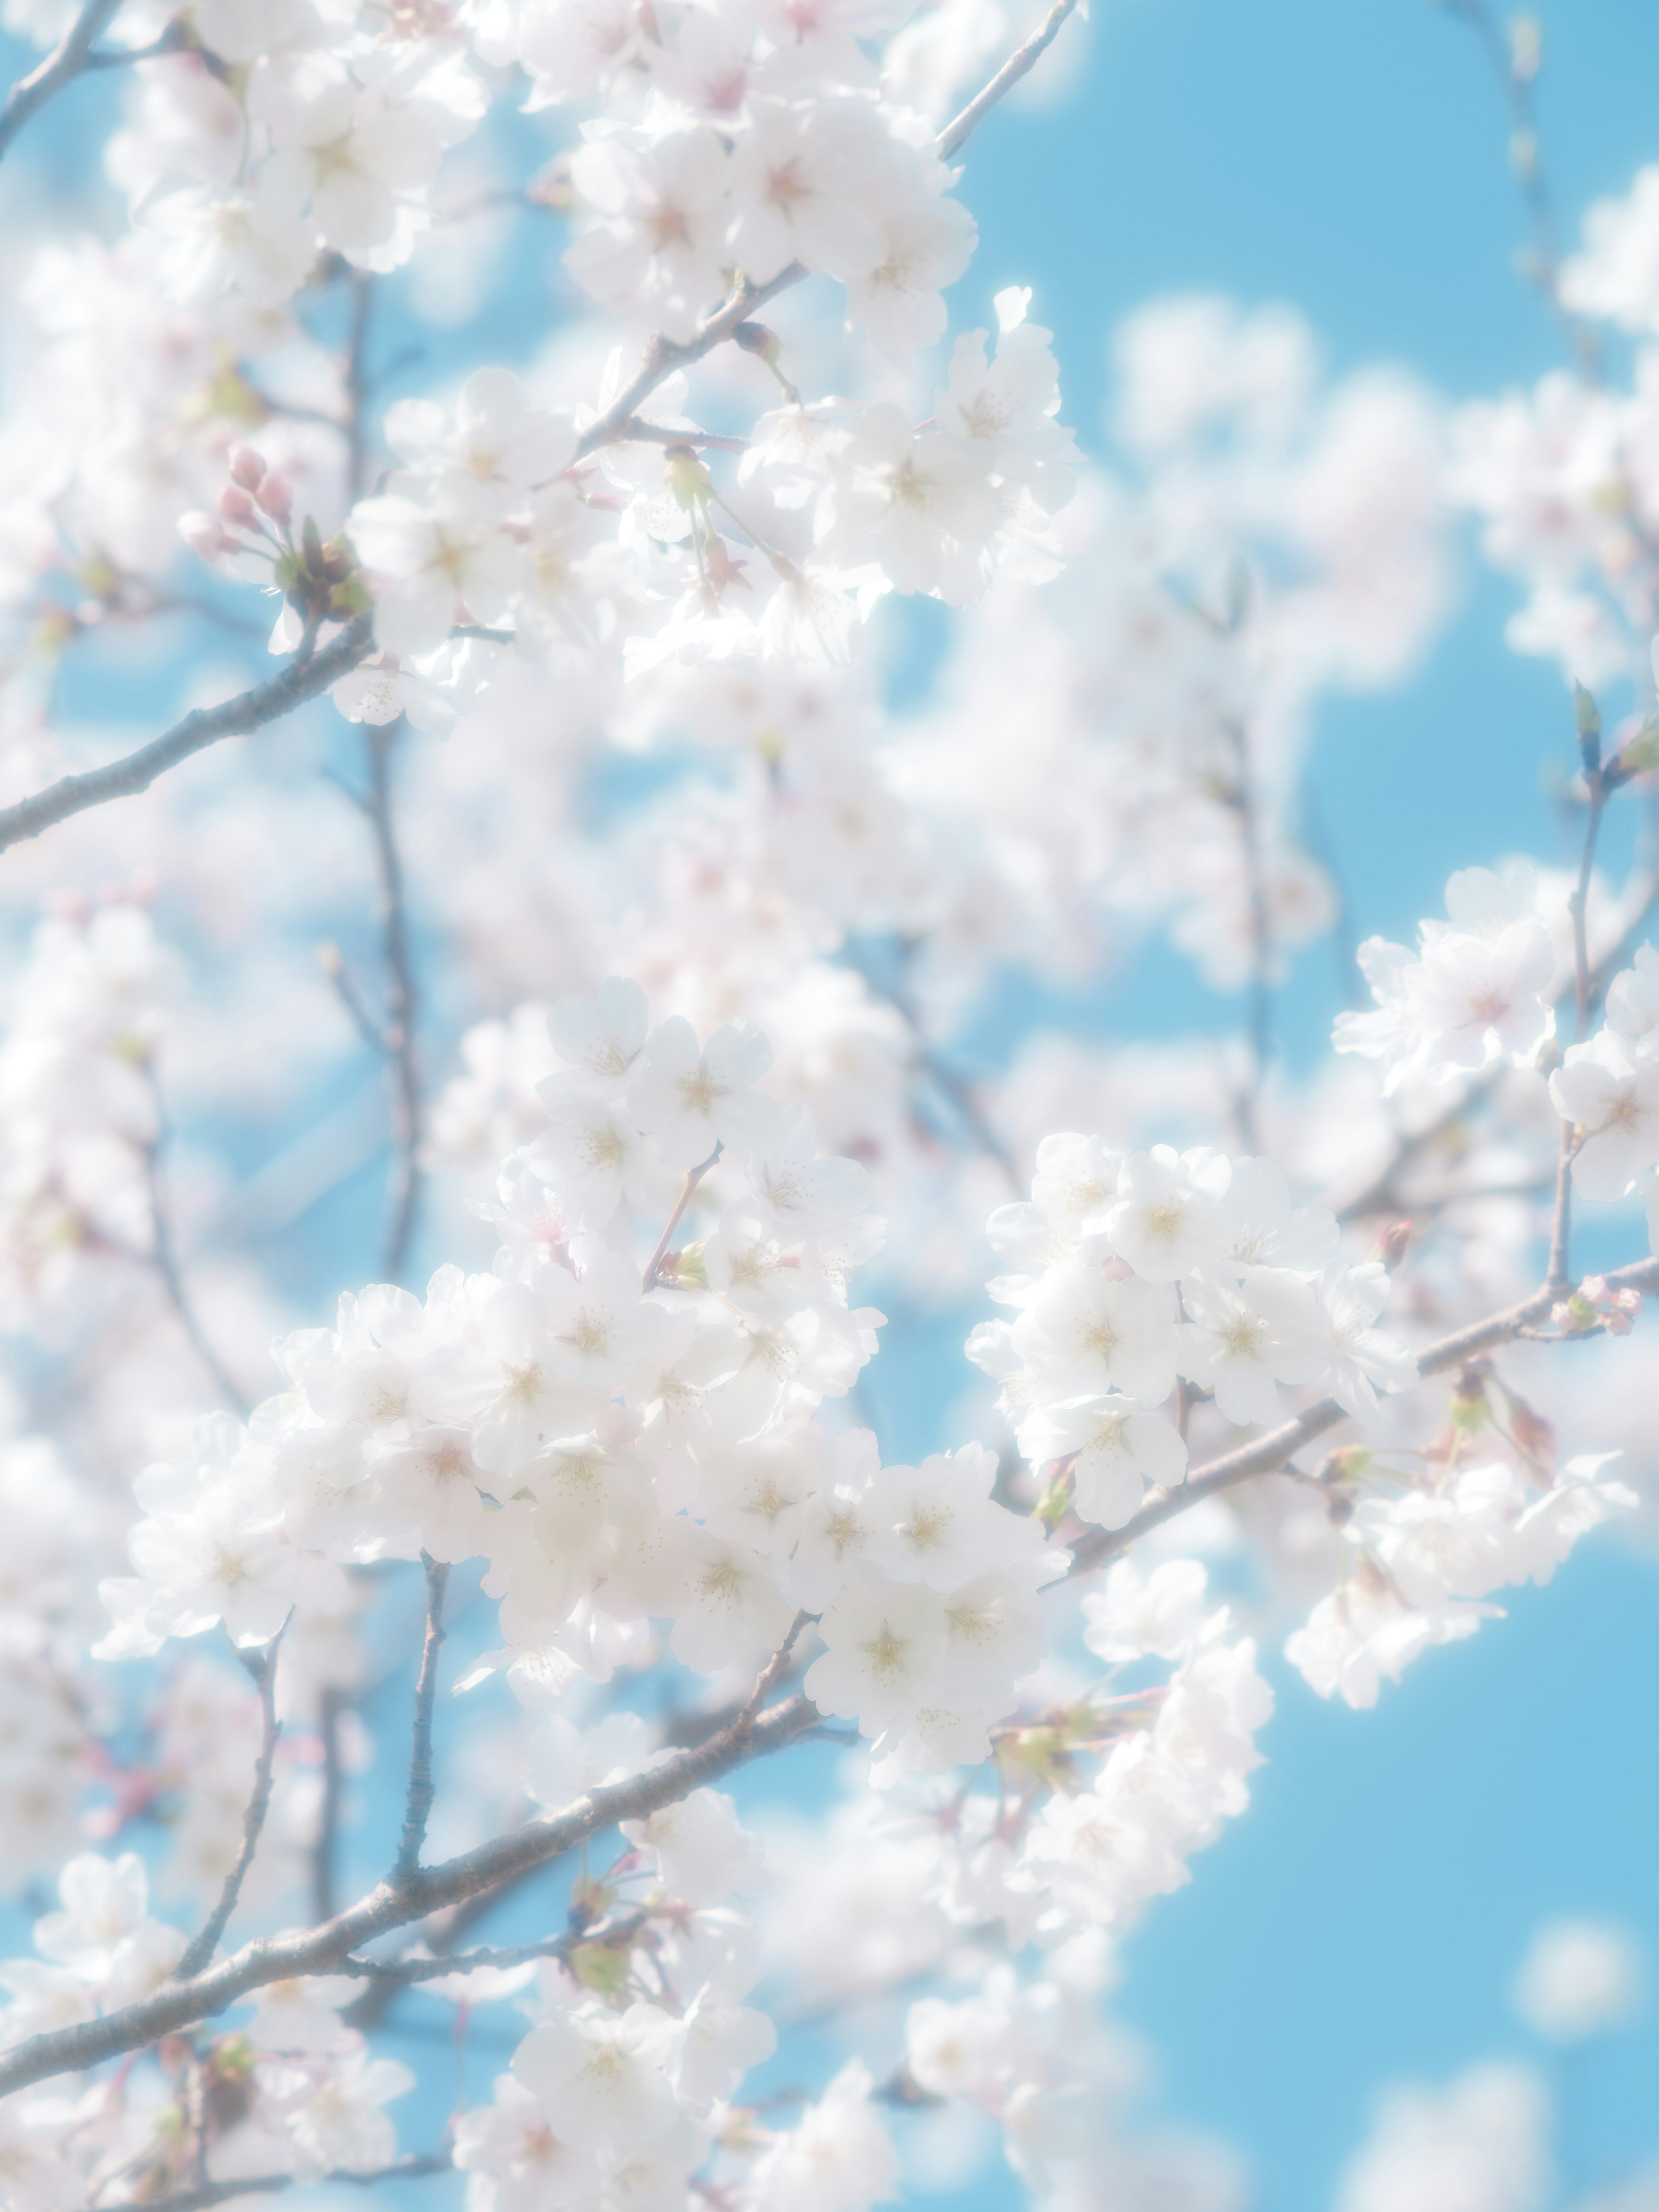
column 772, row 1673
column 1242, row 800
column 657, row 434
column 164, row 1258
column 238, row 718
column 1378, row 1195
column 357, row 381
column 663, row 355
column 319, row 1950
column 1267, row 1454
column 694, row 1177
column 1526, row 160
column 944, row 1078
column 402, row 1973
column 221, row 2192
column 1017, row 65
column 328, row 1811
column 401, row 1005
column 69, row 60
column 418, row 1808
column 199, row 1952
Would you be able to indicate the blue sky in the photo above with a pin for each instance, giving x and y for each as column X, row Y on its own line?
column 1363, row 1920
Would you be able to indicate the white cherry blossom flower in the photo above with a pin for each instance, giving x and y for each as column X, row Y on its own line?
column 1242, row 1340
column 1604, row 1090
column 1168, row 1218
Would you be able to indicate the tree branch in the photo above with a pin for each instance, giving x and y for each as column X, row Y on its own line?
column 221, row 2192
column 199, row 1954
column 1243, row 802
column 1267, row 1454
column 398, row 1038
column 419, row 1808
column 401, row 1973
column 328, row 1811
column 302, row 679
column 1022, row 59
column 165, row 1261
column 694, row 1177
column 319, row 1950
column 68, row 60
column 1515, row 84
column 1378, row 1195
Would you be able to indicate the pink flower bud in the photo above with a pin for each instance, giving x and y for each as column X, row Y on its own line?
column 245, row 467
column 235, row 505
column 205, row 534
column 272, row 494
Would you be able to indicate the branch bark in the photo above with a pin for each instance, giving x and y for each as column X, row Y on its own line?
column 402, row 1004
column 302, row 679
column 418, row 1808
column 198, row 1954
column 1265, row 1455
column 70, row 58
column 221, row 2192
column 180, row 2004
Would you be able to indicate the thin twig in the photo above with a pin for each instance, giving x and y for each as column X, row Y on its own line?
column 1241, row 799
column 328, row 1811
column 237, row 718
column 1526, row 159
column 199, row 1954
column 1559, row 1277
column 173, row 41
column 402, row 1973
column 945, row 1078
column 1267, row 1454
column 356, row 381
column 67, row 61
column 399, row 1042
column 1378, row 1195
column 1017, row 65
column 772, row 1673
column 222, row 2192
column 418, row 1807
column 1578, row 905
column 180, row 2004
column 164, row 1259
column 694, row 1177
column 657, row 434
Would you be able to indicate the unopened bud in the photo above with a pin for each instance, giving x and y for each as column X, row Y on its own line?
column 245, row 467
column 550, row 187
column 1573, row 1316
column 205, row 534
column 756, row 338
column 1390, row 1246
column 272, row 494
column 328, row 958
column 1526, row 48
column 235, row 505
column 1532, row 1432
column 686, row 477
column 1637, row 756
column 1523, row 154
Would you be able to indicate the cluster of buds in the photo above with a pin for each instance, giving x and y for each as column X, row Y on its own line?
column 320, row 582
column 1596, row 1304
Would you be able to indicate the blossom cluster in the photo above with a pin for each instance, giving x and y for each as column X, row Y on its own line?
column 1129, row 1273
